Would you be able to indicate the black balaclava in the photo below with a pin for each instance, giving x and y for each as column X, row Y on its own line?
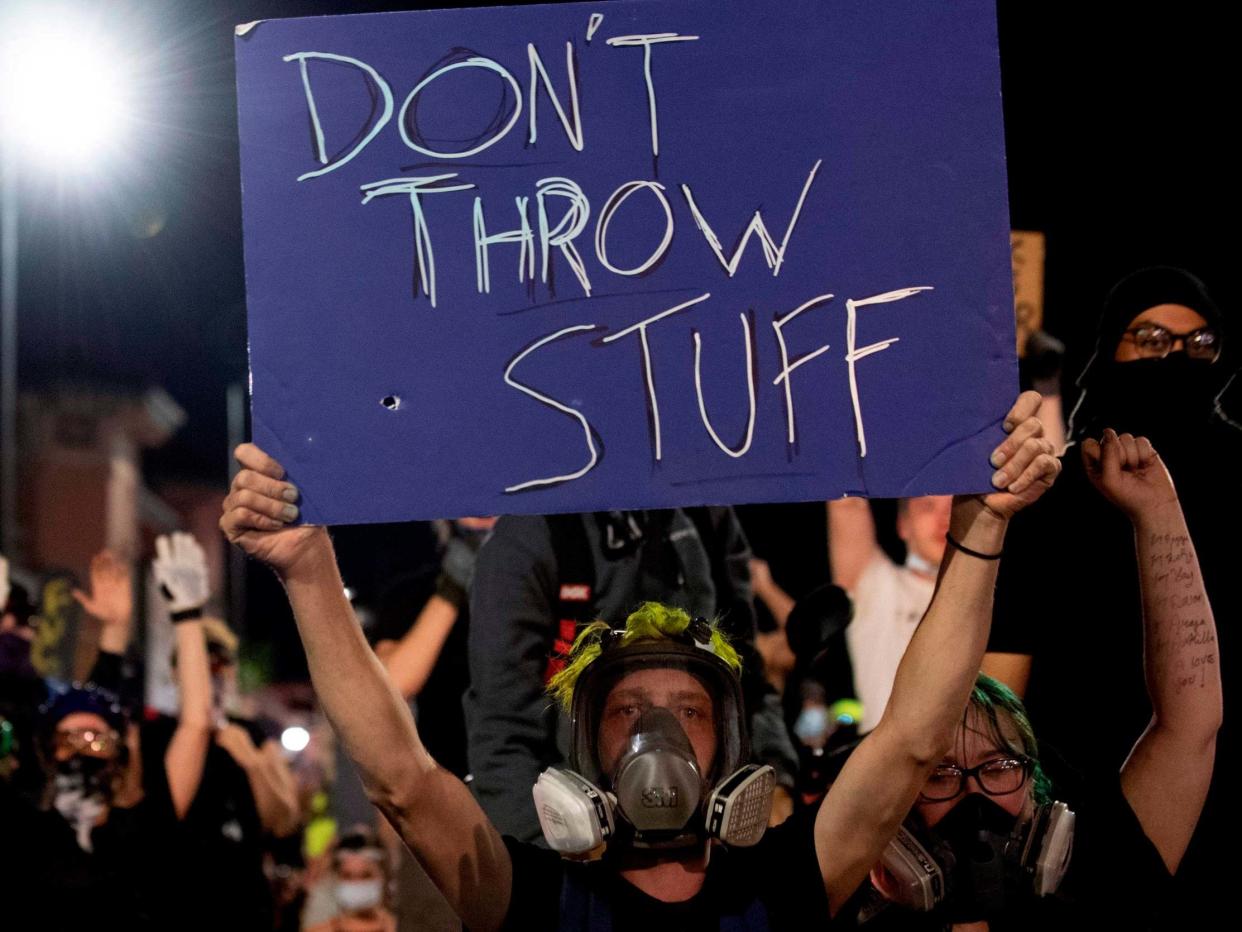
column 1172, row 401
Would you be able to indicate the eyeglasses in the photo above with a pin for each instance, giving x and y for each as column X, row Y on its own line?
column 87, row 741
column 1155, row 342
column 997, row 777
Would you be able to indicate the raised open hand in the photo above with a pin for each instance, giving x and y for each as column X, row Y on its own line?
column 111, row 595
column 180, row 567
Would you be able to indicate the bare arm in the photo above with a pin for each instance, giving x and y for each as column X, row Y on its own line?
column 409, row 664
column 431, row 809
column 187, row 751
column 1014, row 670
column 284, row 813
column 851, row 540
column 1165, row 779
column 883, row 776
column 271, row 784
column 776, row 600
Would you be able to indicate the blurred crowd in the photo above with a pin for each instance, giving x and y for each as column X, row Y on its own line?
column 1086, row 705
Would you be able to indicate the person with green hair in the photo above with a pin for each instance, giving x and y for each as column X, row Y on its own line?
column 987, row 847
column 663, row 822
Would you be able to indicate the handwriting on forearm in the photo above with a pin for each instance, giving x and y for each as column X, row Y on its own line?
column 1185, row 637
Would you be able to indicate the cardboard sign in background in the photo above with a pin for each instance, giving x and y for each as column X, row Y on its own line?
column 866, row 137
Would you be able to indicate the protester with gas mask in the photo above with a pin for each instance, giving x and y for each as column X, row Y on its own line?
column 665, row 714
column 109, row 853
column 358, row 886
column 1164, row 357
column 987, row 841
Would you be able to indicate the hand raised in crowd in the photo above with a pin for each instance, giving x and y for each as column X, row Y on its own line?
column 1128, row 472
column 180, row 567
column 258, row 511
column 236, row 740
column 111, row 595
column 1026, row 462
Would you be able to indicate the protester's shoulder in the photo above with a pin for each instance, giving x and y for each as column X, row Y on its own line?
column 782, row 871
column 535, row 892
column 1110, row 840
column 513, row 535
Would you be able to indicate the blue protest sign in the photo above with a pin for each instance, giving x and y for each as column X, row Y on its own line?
column 625, row 254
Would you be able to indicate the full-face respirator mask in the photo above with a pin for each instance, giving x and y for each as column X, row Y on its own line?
column 979, row 860
column 655, row 794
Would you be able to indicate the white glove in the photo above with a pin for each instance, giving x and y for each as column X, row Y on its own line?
column 180, row 567
column 5, row 588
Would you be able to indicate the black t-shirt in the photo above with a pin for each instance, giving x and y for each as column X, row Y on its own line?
column 51, row 883
column 777, row 884
column 221, row 842
column 1068, row 596
column 1116, row 880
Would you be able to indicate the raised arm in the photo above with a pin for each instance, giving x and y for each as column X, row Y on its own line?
column 1166, row 777
column 882, row 778
column 410, row 662
column 271, row 784
column 430, row 808
column 110, row 600
column 180, row 567
column 851, row 540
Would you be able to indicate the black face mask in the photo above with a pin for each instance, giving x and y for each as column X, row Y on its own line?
column 1170, row 401
column 82, row 791
column 974, row 845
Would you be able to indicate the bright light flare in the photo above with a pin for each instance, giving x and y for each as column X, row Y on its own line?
column 294, row 738
column 64, row 93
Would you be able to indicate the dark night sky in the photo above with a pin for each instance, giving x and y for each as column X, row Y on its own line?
column 1117, row 145
column 1117, row 150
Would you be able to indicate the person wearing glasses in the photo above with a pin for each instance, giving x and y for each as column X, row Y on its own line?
column 1165, row 355
column 989, row 846
column 107, row 851
column 658, row 865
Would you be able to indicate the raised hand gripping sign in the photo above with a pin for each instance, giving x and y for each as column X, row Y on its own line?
column 625, row 254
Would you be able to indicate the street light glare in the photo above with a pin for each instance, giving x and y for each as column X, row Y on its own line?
column 63, row 92
column 295, row 738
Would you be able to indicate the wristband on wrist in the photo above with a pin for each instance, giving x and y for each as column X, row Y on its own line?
column 972, row 553
column 189, row 614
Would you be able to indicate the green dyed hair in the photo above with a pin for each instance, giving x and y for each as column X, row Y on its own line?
column 990, row 698
column 651, row 622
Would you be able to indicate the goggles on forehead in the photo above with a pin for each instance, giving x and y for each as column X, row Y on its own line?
column 89, row 741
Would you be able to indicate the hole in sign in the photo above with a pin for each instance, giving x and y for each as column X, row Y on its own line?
column 391, row 402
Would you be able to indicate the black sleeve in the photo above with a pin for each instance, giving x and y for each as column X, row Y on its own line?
column 534, row 900
column 1116, row 876
column 108, row 671
column 510, row 720
column 786, row 867
column 1031, row 548
column 770, row 741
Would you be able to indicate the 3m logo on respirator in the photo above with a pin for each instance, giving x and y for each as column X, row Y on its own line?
column 660, row 797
